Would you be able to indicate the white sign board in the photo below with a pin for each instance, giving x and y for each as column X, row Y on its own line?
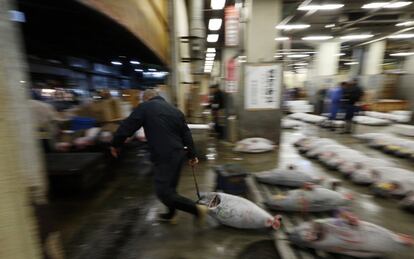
column 262, row 86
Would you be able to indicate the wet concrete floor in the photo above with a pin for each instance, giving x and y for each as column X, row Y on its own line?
column 118, row 221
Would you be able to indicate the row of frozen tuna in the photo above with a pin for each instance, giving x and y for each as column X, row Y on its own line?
column 344, row 234
column 389, row 143
column 396, row 116
column 384, row 176
column 323, row 120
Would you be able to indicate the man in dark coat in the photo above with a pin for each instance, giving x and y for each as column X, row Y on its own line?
column 351, row 95
column 217, row 108
column 170, row 142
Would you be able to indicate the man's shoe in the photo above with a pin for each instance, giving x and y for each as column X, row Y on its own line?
column 168, row 218
column 202, row 212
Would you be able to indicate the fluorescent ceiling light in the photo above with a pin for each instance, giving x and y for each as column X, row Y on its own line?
column 210, row 55
column 211, row 50
column 340, row 54
column 407, row 23
column 398, row 4
column 351, row 63
column 402, row 36
column 298, row 56
column 321, row 37
column 152, row 69
column 210, row 59
column 214, row 24
column 134, row 62
column 301, row 64
column 357, row 37
column 218, row 4
column 315, row 7
column 281, row 38
column 116, row 63
column 376, row 5
column 402, row 54
column 288, row 27
column 209, row 62
column 277, row 56
column 330, row 25
column 212, row 37
column 138, row 70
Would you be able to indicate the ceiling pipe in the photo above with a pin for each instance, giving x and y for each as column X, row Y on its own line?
column 198, row 35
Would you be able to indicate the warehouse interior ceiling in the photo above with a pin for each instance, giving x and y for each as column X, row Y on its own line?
column 69, row 28
column 349, row 19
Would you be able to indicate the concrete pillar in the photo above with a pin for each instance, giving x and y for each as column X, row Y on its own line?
column 263, row 16
column 327, row 59
column 20, row 167
column 373, row 58
column 183, row 70
column 409, row 64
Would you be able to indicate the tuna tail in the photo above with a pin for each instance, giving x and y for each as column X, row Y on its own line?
column 406, row 240
column 275, row 222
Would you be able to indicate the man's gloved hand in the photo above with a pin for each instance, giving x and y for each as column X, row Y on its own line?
column 193, row 161
column 115, row 152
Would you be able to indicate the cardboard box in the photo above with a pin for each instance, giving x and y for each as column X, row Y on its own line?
column 131, row 96
column 112, row 127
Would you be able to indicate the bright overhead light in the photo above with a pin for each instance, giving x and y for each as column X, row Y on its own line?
column 321, row 37
column 288, row 27
column 218, row 4
column 212, row 37
column 116, row 63
column 277, row 56
column 402, row 36
column 210, row 58
column 210, row 55
column 301, row 64
column 282, row 38
column 330, row 25
column 351, row 63
column 138, row 70
column 209, row 62
column 323, row 7
column 356, row 37
column 407, row 23
column 214, row 24
column 152, row 69
column 376, row 5
column 134, row 62
column 402, row 54
column 340, row 54
column 211, row 50
column 298, row 56
column 398, row 4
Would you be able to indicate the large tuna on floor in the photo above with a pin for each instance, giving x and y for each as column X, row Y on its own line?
column 254, row 145
column 408, row 203
column 348, row 236
column 290, row 177
column 309, row 199
column 237, row 212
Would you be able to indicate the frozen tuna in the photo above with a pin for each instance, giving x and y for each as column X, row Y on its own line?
column 254, row 145
column 309, row 199
column 393, row 181
column 408, row 203
column 349, row 236
column 237, row 212
column 290, row 177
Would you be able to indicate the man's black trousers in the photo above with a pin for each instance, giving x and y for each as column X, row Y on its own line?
column 167, row 175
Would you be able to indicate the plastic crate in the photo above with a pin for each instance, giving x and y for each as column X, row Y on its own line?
column 230, row 178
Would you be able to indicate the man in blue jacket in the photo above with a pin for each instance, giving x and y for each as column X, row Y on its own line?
column 170, row 142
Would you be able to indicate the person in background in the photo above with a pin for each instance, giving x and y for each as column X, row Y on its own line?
column 335, row 97
column 320, row 101
column 46, row 120
column 170, row 142
column 351, row 95
column 217, row 105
